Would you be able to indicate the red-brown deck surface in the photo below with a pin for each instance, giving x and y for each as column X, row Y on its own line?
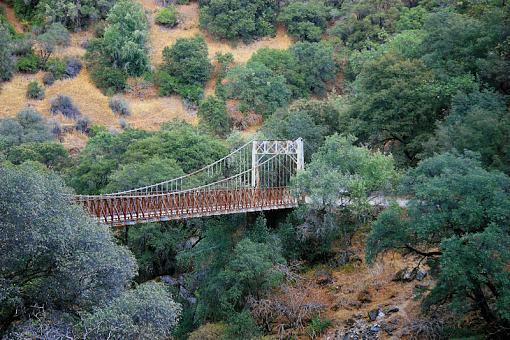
column 127, row 210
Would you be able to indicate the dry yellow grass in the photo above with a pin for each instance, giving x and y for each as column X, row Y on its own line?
column 149, row 110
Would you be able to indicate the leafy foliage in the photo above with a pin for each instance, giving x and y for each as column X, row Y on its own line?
column 146, row 312
column 28, row 126
column 122, row 49
column 459, row 213
column 73, row 14
column 167, row 16
column 35, row 91
column 52, row 253
column 305, row 20
column 6, row 58
column 479, row 122
column 187, row 60
column 257, row 88
column 214, row 116
column 239, row 19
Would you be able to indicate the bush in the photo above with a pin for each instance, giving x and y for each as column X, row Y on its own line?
column 35, row 91
column 123, row 44
column 167, row 16
column 147, row 312
column 29, row 63
column 65, row 106
column 6, row 58
column 55, row 66
column 258, row 89
column 166, row 83
column 241, row 19
column 73, row 67
column 188, row 61
column 83, row 125
column 191, row 93
column 108, row 79
column 120, row 106
column 305, row 20
column 317, row 326
column 48, row 78
column 214, row 116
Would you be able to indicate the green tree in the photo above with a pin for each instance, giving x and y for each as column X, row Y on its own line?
column 28, row 126
column 396, row 104
column 239, row 19
column 146, row 312
column 458, row 219
column 188, row 61
column 53, row 254
column 282, row 62
column 123, row 44
column 139, row 174
column 316, row 65
column 74, row 14
column 54, row 36
column 305, row 20
column 257, row 88
column 343, row 175
column 479, row 122
column 214, row 116
column 366, row 22
column 6, row 57
column 51, row 154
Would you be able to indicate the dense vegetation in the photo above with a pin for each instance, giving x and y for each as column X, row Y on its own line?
column 392, row 97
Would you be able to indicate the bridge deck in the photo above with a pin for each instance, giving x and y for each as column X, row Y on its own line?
column 127, row 210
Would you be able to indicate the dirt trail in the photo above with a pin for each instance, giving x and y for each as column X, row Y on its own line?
column 11, row 17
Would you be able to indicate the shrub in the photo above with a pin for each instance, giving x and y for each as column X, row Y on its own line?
column 73, row 67
column 192, row 93
column 305, row 20
column 214, row 116
column 83, row 125
column 54, row 35
column 120, row 106
column 241, row 19
column 123, row 44
column 167, row 16
column 166, row 83
column 55, row 127
column 29, row 63
column 55, row 66
column 123, row 124
column 48, row 79
column 65, row 106
column 6, row 58
column 35, row 91
column 147, row 312
column 317, row 326
column 258, row 89
column 108, row 79
column 188, row 61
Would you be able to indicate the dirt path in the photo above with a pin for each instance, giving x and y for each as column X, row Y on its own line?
column 11, row 17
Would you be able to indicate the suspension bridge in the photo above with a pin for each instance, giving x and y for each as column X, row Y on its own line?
column 254, row 177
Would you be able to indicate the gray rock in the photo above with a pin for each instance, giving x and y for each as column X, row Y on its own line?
column 186, row 295
column 392, row 309
column 169, row 280
column 323, row 277
column 375, row 328
column 405, row 275
column 372, row 315
column 420, row 275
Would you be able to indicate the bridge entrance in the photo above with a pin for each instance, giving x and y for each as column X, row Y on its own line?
column 255, row 177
